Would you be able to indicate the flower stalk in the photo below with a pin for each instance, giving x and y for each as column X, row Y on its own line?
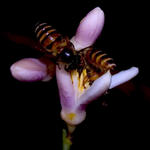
column 66, row 140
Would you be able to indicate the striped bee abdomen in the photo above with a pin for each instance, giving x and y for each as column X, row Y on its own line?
column 50, row 39
column 99, row 60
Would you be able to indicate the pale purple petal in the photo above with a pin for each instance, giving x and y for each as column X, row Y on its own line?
column 89, row 29
column 99, row 87
column 66, row 91
column 123, row 76
column 29, row 70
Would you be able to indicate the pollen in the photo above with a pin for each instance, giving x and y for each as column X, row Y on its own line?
column 71, row 116
column 80, row 81
column 83, row 81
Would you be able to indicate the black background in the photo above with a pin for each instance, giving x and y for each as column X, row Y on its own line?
column 30, row 111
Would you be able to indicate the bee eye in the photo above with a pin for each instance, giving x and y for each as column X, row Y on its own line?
column 66, row 55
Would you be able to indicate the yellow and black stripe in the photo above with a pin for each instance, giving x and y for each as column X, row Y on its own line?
column 99, row 60
column 49, row 38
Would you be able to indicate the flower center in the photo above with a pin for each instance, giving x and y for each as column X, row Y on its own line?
column 80, row 82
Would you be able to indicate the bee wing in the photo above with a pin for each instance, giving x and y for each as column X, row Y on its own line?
column 23, row 40
column 51, row 66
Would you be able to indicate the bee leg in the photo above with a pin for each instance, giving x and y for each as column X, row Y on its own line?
column 66, row 68
column 58, row 66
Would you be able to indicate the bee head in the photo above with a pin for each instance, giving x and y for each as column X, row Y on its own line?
column 66, row 55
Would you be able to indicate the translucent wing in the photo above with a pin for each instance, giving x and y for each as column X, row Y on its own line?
column 31, row 43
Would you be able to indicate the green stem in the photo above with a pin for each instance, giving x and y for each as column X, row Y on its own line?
column 66, row 140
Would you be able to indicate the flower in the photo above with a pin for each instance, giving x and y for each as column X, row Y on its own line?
column 74, row 96
column 75, row 93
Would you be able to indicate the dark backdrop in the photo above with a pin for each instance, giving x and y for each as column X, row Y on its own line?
column 30, row 111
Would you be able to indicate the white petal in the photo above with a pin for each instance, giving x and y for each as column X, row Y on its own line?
column 123, row 76
column 29, row 70
column 66, row 91
column 97, row 89
column 89, row 29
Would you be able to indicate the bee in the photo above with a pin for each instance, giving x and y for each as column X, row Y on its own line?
column 61, row 50
column 57, row 46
